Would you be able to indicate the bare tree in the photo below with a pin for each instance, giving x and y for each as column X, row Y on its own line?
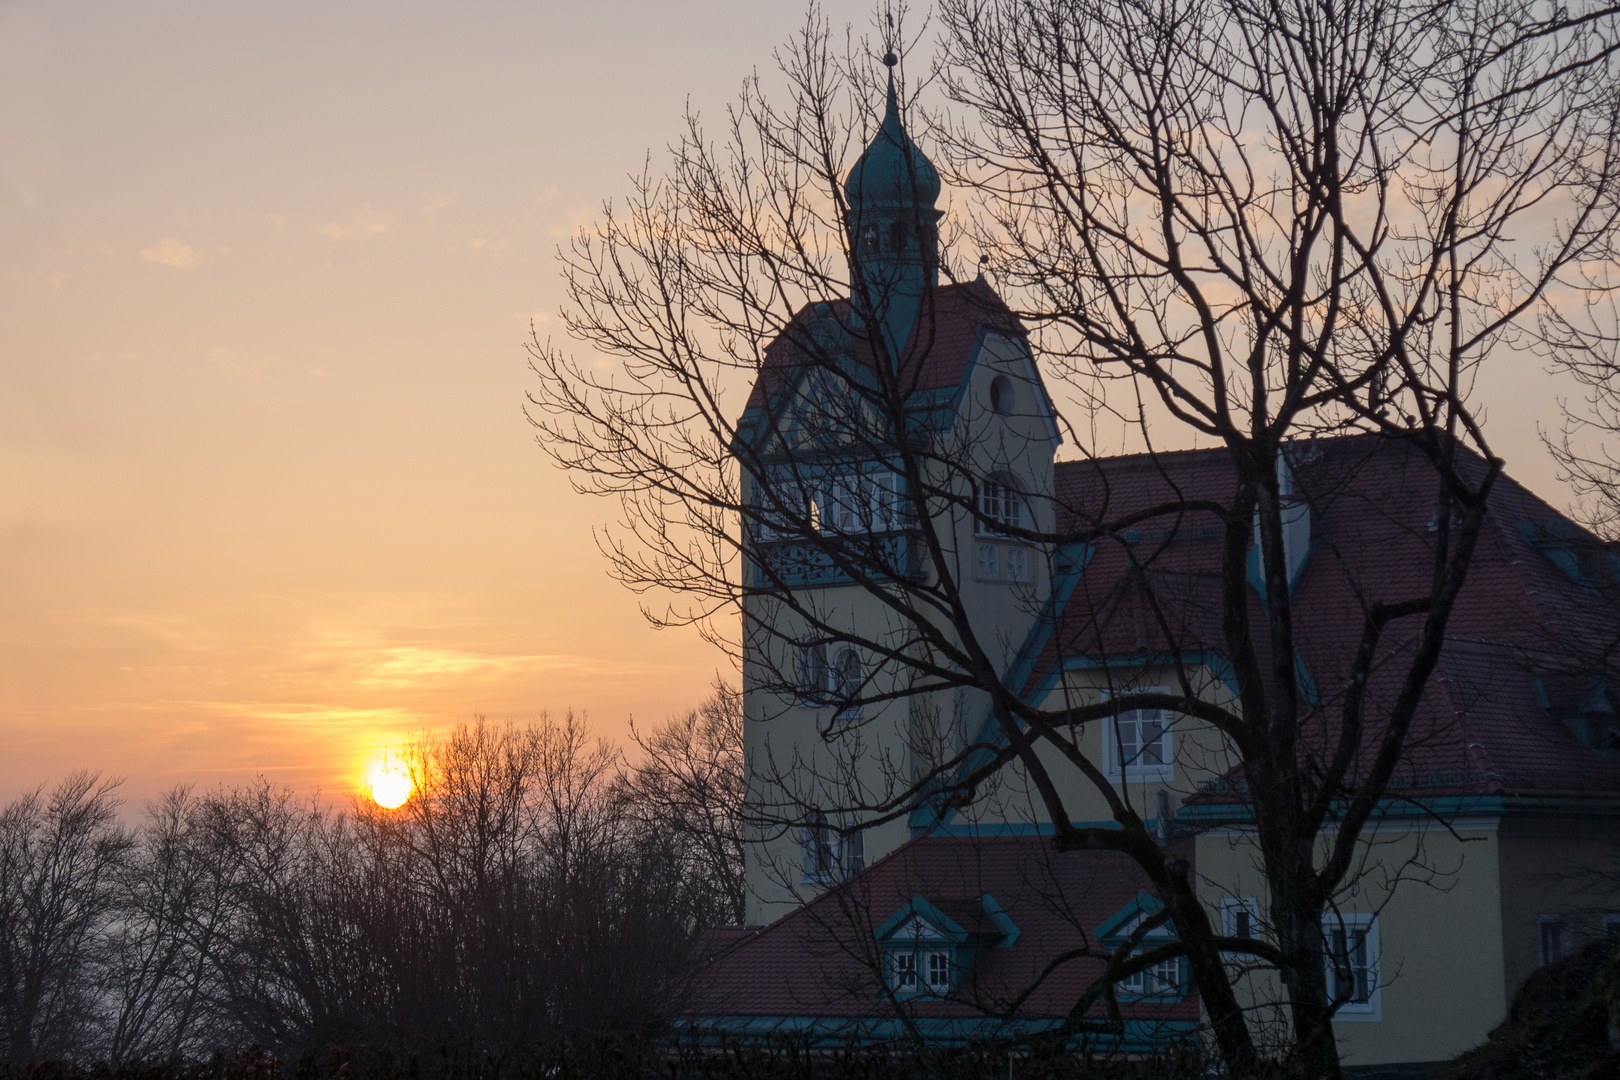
column 1244, row 221
column 59, row 858
column 690, row 785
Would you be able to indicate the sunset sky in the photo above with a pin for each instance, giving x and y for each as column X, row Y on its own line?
column 268, row 502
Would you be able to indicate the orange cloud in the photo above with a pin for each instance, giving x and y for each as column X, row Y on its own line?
column 172, row 253
column 362, row 223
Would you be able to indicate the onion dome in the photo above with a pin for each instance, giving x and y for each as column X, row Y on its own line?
column 893, row 170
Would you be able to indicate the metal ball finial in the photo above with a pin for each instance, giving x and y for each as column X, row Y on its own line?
column 890, row 60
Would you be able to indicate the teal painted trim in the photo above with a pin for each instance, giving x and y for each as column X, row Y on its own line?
column 976, row 830
column 1139, row 1036
column 920, row 907
column 1068, row 566
column 1009, row 929
column 1189, row 657
column 1257, row 577
column 1448, row 806
column 1144, row 904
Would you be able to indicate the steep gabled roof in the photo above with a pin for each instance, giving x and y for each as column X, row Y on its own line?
column 952, row 324
column 1522, row 622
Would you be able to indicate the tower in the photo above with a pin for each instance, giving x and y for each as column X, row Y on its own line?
column 893, row 228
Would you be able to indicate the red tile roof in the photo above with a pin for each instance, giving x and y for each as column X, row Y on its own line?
column 1519, row 617
column 822, row 960
column 936, row 354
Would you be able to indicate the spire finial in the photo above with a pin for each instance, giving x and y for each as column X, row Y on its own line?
column 890, row 61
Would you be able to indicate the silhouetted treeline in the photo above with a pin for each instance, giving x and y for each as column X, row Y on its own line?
column 633, row 1058
column 533, row 885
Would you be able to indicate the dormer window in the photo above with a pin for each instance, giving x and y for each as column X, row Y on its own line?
column 1163, row 981
column 927, row 951
column 1583, row 558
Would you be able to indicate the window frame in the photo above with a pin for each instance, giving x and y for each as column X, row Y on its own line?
column 840, row 692
column 1566, row 927
column 1007, row 511
column 1122, row 772
column 1370, row 1010
column 818, row 849
column 812, row 690
column 1231, row 908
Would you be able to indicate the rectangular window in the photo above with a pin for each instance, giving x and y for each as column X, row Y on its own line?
column 818, row 847
column 1137, row 743
column 1556, row 938
column 939, row 971
column 888, row 508
column 1240, row 917
column 1161, row 980
column 1352, row 965
column 903, row 971
column 813, row 675
column 854, row 851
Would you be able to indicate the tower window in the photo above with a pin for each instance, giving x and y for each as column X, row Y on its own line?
column 1000, row 504
column 871, row 239
column 1001, row 394
column 847, row 678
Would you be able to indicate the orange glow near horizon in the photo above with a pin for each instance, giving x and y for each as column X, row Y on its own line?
column 268, row 500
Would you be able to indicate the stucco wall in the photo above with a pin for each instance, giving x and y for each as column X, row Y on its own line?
column 1439, row 931
column 1547, row 865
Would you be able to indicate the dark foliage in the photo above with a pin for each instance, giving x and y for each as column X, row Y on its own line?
column 1557, row 1028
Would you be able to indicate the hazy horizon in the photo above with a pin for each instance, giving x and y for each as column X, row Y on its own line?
column 268, row 502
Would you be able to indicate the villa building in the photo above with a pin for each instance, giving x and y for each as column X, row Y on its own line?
column 954, row 920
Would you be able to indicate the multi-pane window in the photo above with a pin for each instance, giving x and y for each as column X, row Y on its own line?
column 1240, row 917
column 1352, row 964
column 1000, row 505
column 852, row 503
column 862, row 503
column 853, row 850
column 847, row 679
column 939, row 971
column 903, row 970
column 1138, row 744
column 1144, row 738
column 1161, row 980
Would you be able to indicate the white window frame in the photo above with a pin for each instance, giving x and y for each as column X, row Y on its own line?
column 1234, row 906
column 1370, row 1010
column 1138, row 773
column 903, row 975
column 1166, row 979
column 855, row 504
column 997, row 502
column 930, row 963
column 1567, row 927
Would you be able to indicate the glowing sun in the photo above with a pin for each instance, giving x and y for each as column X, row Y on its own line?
column 389, row 783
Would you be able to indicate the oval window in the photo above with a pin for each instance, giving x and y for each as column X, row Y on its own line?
column 1001, row 394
